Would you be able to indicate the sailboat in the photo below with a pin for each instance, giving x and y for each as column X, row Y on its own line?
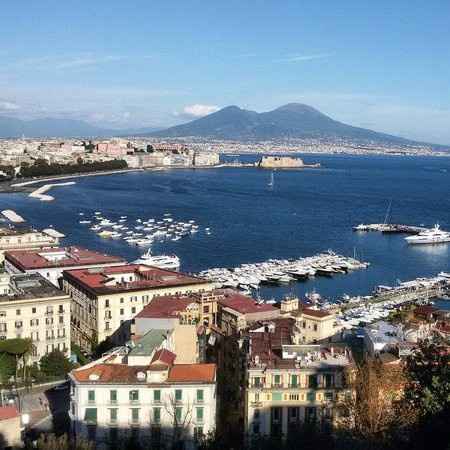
column 271, row 182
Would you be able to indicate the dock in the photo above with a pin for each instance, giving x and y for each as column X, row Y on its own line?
column 390, row 228
column 12, row 216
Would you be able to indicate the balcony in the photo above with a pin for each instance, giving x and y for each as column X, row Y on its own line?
column 256, row 404
column 49, row 313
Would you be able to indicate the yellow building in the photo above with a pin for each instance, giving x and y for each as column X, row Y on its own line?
column 105, row 300
column 33, row 308
column 289, row 384
column 314, row 325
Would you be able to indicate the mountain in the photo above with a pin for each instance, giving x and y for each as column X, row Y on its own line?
column 48, row 127
column 293, row 120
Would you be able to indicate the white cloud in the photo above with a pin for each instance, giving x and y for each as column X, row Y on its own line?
column 6, row 105
column 300, row 58
column 198, row 110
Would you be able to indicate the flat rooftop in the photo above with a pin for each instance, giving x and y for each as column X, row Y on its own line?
column 30, row 286
column 129, row 278
column 58, row 257
column 167, row 306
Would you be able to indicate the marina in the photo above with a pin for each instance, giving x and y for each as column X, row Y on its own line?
column 248, row 277
column 355, row 311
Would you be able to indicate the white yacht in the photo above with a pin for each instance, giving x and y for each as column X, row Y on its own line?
column 169, row 262
column 433, row 236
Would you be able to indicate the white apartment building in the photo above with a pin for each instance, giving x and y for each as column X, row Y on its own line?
column 24, row 238
column 34, row 308
column 147, row 397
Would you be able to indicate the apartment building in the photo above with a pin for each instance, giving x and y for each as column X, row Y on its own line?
column 24, row 238
column 314, row 325
column 51, row 262
column 290, row 384
column 104, row 300
column 144, row 394
column 34, row 308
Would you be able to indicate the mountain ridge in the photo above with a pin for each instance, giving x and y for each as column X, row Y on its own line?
column 47, row 127
column 292, row 120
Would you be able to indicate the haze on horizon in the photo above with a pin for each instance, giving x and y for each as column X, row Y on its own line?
column 380, row 65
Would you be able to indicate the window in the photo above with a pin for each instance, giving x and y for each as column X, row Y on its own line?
column 134, row 396
column 113, row 415
column 91, row 398
column 34, row 322
column 200, row 395
column 3, row 327
column 121, row 311
column 61, row 309
column 199, row 414
column 315, row 327
column 329, row 395
column 178, row 395
column 304, row 324
column 295, row 397
column 328, row 380
column 17, row 312
column 106, row 303
column 156, row 415
column 310, row 414
column 293, row 414
column 178, row 414
column 107, row 327
column 206, row 309
column 3, row 313
column 133, row 310
column 198, row 433
column 90, row 416
column 294, row 381
column 277, row 396
column 257, row 382
column 157, row 396
column 312, row 381
column 310, row 396
column 256, row 396
column 113, row 397
column 61, row 319
column 121, row 300
column 135, row 415
column 19, row 324
column 277, row 380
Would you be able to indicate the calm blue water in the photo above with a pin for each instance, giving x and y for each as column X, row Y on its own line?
column 306, row 212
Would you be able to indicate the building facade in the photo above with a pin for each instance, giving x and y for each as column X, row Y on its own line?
column 289, row 384
column 104, row 301
column 158, row 401
column 16, row 239
column 33, row 308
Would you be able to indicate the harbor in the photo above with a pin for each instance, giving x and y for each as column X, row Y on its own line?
column 279, row 272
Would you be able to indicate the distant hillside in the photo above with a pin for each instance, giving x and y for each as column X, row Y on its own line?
column 293, row 120
column 69, row 128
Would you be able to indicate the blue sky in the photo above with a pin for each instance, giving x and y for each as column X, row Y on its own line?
column 384, row 65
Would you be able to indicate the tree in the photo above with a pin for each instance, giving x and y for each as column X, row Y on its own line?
column 370, row 413
column 20, row 349
column 428, row 393
column 55, row 364
column 7, row 367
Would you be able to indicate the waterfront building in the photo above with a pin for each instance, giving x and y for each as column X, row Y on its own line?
column 105, row 300
column 34, row 308
column 145, row 394
column 24, row 238
column 10, row 432
column 206, row 158
column 51, row 262
column 289, row 384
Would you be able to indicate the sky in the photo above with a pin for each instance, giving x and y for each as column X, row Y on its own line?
column 383, row 65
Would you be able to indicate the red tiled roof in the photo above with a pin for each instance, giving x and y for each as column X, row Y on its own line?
column 74, row 256
column 109, row 373
column 122, row 373
column 185, row 373
column 315, row 312
column 243, row 304
column 167, row 307
column 8, row 412
column 164, row 356
column 149, row 277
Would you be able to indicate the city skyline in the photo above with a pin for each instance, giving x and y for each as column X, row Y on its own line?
column 381, row 67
